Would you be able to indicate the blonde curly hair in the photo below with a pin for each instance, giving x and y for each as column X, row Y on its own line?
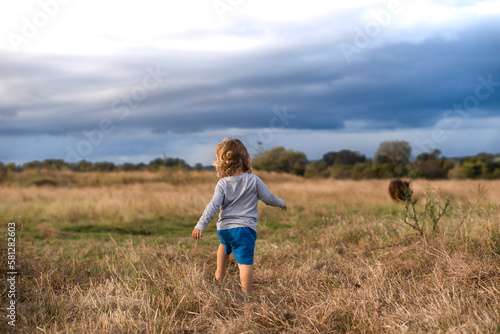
column 232, row 157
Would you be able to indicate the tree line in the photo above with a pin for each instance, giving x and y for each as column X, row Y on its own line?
column 88, row 166
column 392, row 159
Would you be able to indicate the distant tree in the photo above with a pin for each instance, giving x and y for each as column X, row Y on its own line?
column 496, row 173
column 128, row 167
column 33, row 165
column 364, row 170
column 423, row 157
column 329, row 158
column 343, row 157
column 140, row 166
column 83, row 166
column 316, row 169
column 430, row 166
column 268, row 161
column 157, row 162
column 473, row 169
column 368, row 170
column 176, row 162
column 486, row 157
column 12, row 167
column 481, row 166
column 347, row 157
column 104, row 166
column 341, row 171
column 168, row 162
column 54, row 164
column 278, row 159
column 3, row 171
column 396, row 153
column 292, row 162
column 198, row 166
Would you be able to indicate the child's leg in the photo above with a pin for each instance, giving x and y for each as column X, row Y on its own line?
column 246, row 277
column 222, row 259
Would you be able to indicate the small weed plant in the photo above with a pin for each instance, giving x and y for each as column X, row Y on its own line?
column 426, row 219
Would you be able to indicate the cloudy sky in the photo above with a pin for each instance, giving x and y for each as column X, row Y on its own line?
column 129, row 81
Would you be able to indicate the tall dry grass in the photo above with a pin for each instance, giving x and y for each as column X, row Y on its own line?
column 339, row 261
column 148, row 198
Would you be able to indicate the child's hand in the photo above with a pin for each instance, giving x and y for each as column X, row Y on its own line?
column 283, row 208
column 197, row 233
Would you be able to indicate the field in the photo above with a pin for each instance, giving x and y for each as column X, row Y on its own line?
column 112, row 253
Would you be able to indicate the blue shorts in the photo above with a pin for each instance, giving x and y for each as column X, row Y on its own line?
column 240, row 241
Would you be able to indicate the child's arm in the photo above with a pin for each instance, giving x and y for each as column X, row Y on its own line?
column 266, row 196
column 210, row 211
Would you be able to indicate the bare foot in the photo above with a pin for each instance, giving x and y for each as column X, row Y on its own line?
column 219, row 276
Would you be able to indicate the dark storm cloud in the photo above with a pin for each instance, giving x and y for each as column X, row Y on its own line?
column 400, row 85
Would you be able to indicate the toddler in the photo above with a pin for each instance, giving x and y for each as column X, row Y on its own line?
column 236, row 194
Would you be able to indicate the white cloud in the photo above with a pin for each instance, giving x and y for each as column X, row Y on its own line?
column 106, row 27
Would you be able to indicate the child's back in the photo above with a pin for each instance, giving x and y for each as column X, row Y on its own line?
column 237, row 197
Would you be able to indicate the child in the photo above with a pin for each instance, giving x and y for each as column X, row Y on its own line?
column 237, row 192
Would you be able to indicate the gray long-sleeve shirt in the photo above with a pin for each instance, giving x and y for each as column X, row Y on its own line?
column 238, row 196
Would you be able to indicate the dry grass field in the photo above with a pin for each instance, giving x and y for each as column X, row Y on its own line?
column 112, row 253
